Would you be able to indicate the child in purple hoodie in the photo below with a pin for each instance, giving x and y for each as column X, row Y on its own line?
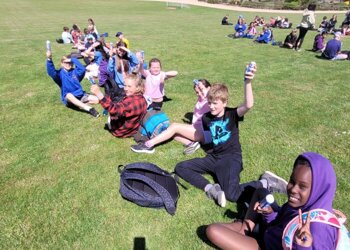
column 312, row 185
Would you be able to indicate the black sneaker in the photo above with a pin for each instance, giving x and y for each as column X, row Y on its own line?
column 142, row 148
column 94, row 113
column 275, row 184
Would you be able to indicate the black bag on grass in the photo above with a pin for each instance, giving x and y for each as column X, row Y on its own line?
column 148, row 185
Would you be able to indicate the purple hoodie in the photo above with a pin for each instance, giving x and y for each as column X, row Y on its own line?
column 321, row 196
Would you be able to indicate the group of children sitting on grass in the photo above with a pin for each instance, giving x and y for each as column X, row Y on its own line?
column 215, row 126
column 331, row 50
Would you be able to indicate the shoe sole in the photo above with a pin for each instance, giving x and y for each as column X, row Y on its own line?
column 189, row 151
column 143, row 151
column 279, row 179
column 221, row 199
column 276, row 176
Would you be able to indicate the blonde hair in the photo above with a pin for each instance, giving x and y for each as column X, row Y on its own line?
column 65, row 58
column 218, row 91
column 139, row 83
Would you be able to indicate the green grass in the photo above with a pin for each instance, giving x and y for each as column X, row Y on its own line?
column 58, row 179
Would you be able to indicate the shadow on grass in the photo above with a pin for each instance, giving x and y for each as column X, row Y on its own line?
column 321, row 57
column 188, row 118
column 202, row 235
column 139, row 243
column 75, row 108
column 166, row 99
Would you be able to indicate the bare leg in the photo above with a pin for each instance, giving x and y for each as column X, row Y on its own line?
column 226, row 236
column 72, row 99
column 93, row 99
column 236, row 235
column 183, row 130
column 182, row 140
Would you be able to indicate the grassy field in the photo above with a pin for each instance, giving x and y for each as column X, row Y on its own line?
column 58, row 180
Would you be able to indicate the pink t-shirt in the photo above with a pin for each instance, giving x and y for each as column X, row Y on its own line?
column 200, row 109
column 154, row 84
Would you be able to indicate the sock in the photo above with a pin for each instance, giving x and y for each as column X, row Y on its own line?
column 208, row 187
column 87, row 108
column 148, row 144
column 264, row 183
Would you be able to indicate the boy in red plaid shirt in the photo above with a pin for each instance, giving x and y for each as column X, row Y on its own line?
column 125, row 115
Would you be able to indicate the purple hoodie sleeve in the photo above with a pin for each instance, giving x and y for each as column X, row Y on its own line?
column 319, row 43
column 104, row 73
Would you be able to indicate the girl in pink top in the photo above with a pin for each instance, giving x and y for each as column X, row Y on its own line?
column 155, row 79
column 201, row 88
column 188, row 134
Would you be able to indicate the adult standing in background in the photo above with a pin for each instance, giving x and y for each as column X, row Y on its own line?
column 307, row 22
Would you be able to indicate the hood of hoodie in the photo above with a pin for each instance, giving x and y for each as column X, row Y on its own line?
column 324, row 182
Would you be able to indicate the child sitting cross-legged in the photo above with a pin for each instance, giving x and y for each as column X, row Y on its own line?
column 125, row 115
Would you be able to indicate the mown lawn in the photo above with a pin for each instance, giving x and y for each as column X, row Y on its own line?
column 58, row 180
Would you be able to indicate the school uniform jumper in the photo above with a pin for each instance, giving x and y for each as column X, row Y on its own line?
column 224, row 161
column 68, row 81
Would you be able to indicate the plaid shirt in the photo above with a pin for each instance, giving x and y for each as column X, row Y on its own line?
column 126, row 115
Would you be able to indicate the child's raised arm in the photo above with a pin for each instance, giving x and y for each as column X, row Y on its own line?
column 248, row 90
column 170, row 74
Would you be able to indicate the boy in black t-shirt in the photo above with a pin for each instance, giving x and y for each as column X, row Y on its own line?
column 224, row 162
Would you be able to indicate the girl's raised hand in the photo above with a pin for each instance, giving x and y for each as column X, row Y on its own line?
column 303, row 236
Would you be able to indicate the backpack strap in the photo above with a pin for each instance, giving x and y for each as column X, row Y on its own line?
column 177, row 179
column 146, row 166
column 159, row 189
column 120, row 168
column 316, row 215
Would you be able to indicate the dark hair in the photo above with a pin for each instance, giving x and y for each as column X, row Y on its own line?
column 121, row 44
column 205, row 82
column 311, row 6
column 92, row 21
column 125, row 66
column 100, row 48
column 301, row 161
column 75, row 27
column 154, row 60
column 65, row 28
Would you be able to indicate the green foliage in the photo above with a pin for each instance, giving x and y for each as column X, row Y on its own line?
column 291, row 5
column 58, row 182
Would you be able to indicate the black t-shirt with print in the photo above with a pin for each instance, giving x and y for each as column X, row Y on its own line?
column 224, row 131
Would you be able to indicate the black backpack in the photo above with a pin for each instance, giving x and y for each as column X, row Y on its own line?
column 148, row 185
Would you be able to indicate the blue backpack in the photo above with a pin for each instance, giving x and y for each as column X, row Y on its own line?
column 152, row 124
column 148, row 185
